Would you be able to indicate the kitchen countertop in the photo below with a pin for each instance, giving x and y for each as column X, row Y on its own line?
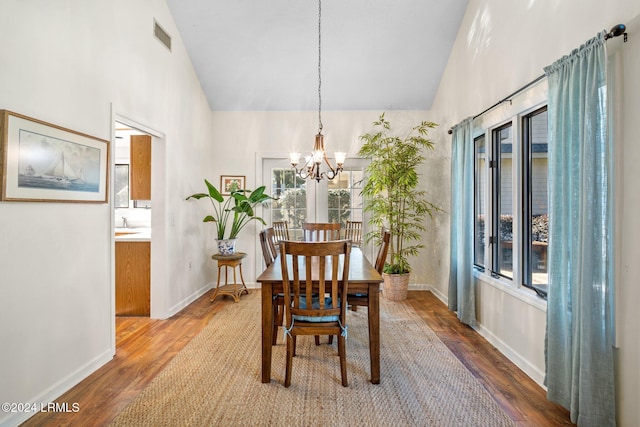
column 132, row 234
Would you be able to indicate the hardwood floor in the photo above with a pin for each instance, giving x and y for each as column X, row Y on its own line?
column 145, row 346
column 518, row 395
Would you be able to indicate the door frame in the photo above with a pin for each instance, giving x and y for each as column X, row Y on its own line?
column 158, row 239
column 314, row 193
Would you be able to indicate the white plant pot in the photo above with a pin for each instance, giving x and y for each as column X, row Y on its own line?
column 227, row 246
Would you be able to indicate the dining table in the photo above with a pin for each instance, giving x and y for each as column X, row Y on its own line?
column 364, row 280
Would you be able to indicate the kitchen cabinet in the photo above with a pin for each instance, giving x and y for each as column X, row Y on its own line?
column 133, row 278
column 140, row 164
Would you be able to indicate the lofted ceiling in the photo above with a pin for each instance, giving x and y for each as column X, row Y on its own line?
column 262, row 55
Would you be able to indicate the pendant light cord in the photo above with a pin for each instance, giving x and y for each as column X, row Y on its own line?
column 319, row 68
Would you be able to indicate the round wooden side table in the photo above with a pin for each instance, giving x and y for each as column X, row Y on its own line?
column 234, row 289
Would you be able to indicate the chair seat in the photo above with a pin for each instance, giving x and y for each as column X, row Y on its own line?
column 315, row 304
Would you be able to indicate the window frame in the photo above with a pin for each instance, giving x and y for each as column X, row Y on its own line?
column 527, row 202
column 511, row 112
column 480, row 175
column 495, row 183
column 316, row 194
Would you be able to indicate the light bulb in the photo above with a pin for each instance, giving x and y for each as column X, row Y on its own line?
column 294, row 157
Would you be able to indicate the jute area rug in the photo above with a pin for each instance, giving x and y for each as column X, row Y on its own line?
column 215, row 379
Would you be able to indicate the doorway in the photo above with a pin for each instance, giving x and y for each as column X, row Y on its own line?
column 132, row 216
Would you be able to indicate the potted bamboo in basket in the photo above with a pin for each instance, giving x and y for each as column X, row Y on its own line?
column 393, row 198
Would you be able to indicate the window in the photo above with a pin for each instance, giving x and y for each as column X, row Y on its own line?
column 536, row 202
column 121, row 190
column 480, row 197
column 290, row 192
column 344, row 199
column 502, row 180
column 511, row 222
column 300, row 200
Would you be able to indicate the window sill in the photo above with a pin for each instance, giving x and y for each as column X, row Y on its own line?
column 525, row 295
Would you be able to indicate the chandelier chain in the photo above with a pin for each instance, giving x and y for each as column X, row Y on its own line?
column 311, row 167
column 319, row 67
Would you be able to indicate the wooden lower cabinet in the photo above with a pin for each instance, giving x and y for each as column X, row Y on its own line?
column 133, row 278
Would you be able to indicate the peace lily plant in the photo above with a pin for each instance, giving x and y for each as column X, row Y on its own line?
column 240, row 205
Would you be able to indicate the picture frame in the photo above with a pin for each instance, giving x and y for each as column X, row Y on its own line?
column 228, row 181
column 43, row 162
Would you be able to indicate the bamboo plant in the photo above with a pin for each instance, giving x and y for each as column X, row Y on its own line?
column 391, row 189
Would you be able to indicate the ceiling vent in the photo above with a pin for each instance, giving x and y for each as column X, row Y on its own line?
column 161, row 35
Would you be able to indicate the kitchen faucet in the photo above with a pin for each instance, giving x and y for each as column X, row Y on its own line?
column 124, row 222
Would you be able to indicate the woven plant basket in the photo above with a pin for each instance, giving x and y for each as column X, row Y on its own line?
column 395, row 286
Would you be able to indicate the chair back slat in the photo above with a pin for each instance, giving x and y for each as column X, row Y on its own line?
column 353, row 231
column 281, row 230
column 320, row 231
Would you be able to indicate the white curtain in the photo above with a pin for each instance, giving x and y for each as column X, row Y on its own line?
column 461, row 283
column 580, row 323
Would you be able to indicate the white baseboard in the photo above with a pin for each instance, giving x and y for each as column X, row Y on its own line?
column 442, row 297
column 58, row 389
column 523, row 364
column 419, row 287
column 188, row 300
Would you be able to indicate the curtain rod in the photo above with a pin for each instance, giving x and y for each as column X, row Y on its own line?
column 616, row 31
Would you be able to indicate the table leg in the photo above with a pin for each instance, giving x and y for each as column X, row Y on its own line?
column 267, row 330
column 374, row 331
column 236, row 294
column 215, row 292
column 244, row 287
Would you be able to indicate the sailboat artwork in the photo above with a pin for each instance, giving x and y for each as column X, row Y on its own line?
column 50, row 164
column 44, row 162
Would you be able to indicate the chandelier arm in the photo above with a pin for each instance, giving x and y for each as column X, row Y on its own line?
column 329, row 164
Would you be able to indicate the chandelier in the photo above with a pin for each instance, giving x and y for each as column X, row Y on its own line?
column 311, row 167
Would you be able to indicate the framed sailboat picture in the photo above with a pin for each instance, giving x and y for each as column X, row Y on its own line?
column 42, row 162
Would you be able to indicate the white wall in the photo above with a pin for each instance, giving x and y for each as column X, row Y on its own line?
column 500, row 47
column 77, row 64
column 254, row 134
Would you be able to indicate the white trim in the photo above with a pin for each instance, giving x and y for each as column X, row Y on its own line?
column 129, row 120
column 59, row 388
column 526, row 295
column 522, row 363
column 188, row 300
column 159, row 265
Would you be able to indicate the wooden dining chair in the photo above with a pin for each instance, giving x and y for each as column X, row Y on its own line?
column 281, row 230
column 268, row 245
column 383, row 249
column 315, row 294
column 320, row 231
column 356, row 300
column 269, row 253
column 353, row 231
